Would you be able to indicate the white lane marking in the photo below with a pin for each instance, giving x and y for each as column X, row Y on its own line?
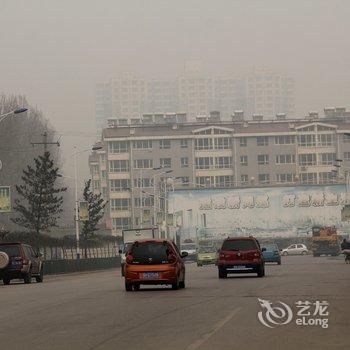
column 196, row 344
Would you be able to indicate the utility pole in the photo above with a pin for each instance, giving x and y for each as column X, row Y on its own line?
column 45, row 142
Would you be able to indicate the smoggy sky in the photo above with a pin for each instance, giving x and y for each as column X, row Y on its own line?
column 53, row 51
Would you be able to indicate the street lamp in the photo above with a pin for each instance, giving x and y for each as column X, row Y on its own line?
column 15, row 111
column 75, row 154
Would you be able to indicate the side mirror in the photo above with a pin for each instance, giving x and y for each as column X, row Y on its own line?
column 120, row 251
column 184, row 254
column 263, row 249
column 39, row 255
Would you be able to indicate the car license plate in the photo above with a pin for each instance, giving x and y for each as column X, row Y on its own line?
column 150, row 275
column 238, row 267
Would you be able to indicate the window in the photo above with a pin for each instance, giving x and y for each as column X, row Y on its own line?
column 346, row 138
column 346, row 155
column 121, row 223
column 262, row 141
column 164, row 144
column 326, row 177
column 243, row 142
column 184, row 143
column 325, row 140
column 204, row 163
column 244, row 179
column 185, row 180
column 326, row 158
column 96, row 184
column 143, row 163
column 223, row 162
column 94, row 169
column 289, row 177
column 142, row 144
column 147, row 201
column 264, row 178
column 222, row 143
column 184, row 162
column 120, row 204
column 118, row 146
column 143, row 182
column 284, row 140
column 263, row 159
column 224, row 181
column 103, row 158
column 118, row 166
column 165, row 162
column 204, row 181
column 244, row 160
column 285, row 159
column 308, row 178
column 203, row 144
column 307, row 140
column 119, row 185
column 307, row 159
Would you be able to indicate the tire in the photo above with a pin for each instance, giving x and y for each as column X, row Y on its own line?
column 261, row 271
column 222, row 272
column 128, row 287
column 4, row 260
column 6, row 280
column 40, row 277
column 176, row 285
column 279, row 262
column 199, row 264
column 122, row 268
column 303, row 253
column 284, row 253
column 182, row 284
column 28, row 278
column 136, row 287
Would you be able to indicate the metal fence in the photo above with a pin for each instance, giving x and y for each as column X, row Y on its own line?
column 68, row 266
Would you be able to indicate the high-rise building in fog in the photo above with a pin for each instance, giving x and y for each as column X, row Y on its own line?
column 128, row 96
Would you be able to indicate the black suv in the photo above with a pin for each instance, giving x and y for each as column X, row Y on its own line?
column 20, row 261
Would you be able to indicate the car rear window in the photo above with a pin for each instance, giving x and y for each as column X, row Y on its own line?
column 150, row 253
column 10, row 250
column 271, row 248
column 245, row 244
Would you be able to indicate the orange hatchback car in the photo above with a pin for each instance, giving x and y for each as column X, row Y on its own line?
column 154, row 261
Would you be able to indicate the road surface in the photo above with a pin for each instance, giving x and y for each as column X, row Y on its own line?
column 92, row 310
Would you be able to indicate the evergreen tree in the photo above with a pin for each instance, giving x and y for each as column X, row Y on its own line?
column 39, row 202
column 96, row 205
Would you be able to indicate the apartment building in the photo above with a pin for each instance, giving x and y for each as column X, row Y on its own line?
column 140, row 163
column 128, row 96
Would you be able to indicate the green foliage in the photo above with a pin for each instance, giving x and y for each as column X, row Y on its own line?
column 39, row 202
column 96, row 205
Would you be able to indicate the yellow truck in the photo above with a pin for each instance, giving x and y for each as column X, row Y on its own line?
column 325, row 241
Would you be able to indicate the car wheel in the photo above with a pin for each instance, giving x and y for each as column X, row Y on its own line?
column 222, row 272
column 28, row 278
column 279, row 262
column 303, row 252
column 4, row 260
column 261, row 271
column 6, row 280
column 176, row 285
column 199, row 265
column 128, row 287
column 136, row 287
column 285, row 253
column 122, row 268
column 40, row 277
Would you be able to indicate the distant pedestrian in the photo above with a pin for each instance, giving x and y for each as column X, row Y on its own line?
column 345, row 247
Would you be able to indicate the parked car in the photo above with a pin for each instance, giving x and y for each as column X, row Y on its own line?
column 191, row 250
column 207, row 255
column 20, row 261
column 295, row 249
column 241, row 255
column 272, row 253
column 154, row 262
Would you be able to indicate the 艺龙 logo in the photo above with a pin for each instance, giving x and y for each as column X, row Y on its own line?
column 274, row 315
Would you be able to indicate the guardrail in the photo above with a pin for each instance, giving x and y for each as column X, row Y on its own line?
column 52, row 267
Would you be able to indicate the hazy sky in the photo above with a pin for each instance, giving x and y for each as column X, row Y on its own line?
column 54, row 50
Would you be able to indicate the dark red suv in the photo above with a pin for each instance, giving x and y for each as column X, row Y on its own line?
column 20, row 261
column 241, row 255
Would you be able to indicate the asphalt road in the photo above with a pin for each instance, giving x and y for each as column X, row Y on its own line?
column 92, row 310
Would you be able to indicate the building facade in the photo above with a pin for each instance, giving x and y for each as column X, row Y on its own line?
column 140, row 163
column 129, row 96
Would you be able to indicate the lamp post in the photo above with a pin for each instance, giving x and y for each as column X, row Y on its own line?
column 75, row 154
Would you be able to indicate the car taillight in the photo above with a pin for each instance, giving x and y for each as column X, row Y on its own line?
column 222, row 256
column 256, row 255
column 129, row 259
column 171, row 258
